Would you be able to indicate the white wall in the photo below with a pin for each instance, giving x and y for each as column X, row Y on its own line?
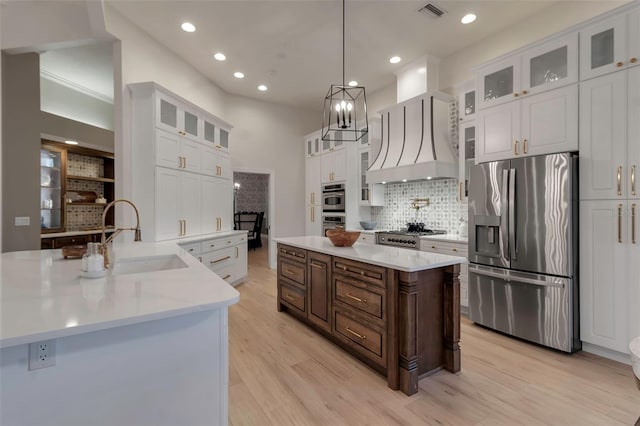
column 381, row 99
column 456, row 68
column 62, row 101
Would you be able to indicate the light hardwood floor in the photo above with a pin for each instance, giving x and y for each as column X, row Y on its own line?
column 283, row 373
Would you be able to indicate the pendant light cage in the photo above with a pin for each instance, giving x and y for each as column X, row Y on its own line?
column 344, row 116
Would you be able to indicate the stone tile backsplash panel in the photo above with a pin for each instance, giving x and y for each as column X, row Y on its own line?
column 443, row 212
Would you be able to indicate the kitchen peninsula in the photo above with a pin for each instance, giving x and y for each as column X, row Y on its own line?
column 396, row 310
column 146, row 344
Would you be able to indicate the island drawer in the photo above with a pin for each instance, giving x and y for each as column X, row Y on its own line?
column 192, row 248
column 219, row 258
column 292, row 270
column 226, row 271
column 293, row 296
column 355, row 294
column 368, row 341
column 361, row 271
column 293, row 253
column 218, row 243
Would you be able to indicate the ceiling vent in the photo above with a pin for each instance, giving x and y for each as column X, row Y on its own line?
column 432, row 11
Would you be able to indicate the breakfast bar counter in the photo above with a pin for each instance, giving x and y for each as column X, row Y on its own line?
column 397, row 310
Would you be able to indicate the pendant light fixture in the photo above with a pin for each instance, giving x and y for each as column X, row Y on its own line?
column 344, row 116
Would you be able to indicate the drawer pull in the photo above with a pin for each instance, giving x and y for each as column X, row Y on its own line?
column 455, row 249
column 633, row 223
column 433, row 247
column 315, row 265
column 286, row 296
column 357, row 299
column 220, row 260
column 619, row 223
column 226, row 276
column 290, row 271
column 361, row 336
column 619, row 180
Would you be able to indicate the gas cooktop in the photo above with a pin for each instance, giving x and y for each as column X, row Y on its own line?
column 408, row 238
column 417, row 233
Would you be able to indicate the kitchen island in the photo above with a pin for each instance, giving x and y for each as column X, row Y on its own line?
column 396, row 310
column 147, row 344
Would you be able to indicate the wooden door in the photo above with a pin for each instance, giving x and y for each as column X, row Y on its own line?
column 319, row 289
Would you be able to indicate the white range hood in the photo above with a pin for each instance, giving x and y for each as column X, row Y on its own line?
column 416, row 141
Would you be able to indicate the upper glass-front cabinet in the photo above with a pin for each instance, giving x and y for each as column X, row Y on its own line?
column 610, row 45
column 467, row 134
column 176, row 118
column 544, row 67
column 313, row 146
column 467, row 104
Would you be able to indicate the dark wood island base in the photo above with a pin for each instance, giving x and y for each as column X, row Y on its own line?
column 405, row 325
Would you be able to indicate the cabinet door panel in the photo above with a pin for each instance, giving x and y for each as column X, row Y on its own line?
column 225, row 166
column 603, row 104
column 319, row 289
column 312, row 179
column 550, row 122
column 209, row 205
column 633, row 47
column 192, row 153
column 632, row 175
column 225, row 201
column 192, row 123
column 167, row 211
column 602, row 46
column 167, row 114
column 339, row 165
column 551, row 65
column 499, row 82
column 209, row 161
column 633, row 269
column 241, row 260
column 498, row 132
column 167, row 149
column 190, row 204
column 603, row 283
column 313, row 221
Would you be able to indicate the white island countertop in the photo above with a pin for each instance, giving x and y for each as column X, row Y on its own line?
column 452, row 238
column 43, row 296
column 398, row 258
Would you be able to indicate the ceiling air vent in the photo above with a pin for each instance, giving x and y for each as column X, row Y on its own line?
column 432, row 10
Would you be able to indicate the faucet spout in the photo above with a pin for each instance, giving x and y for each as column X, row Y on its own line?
column 104, row 242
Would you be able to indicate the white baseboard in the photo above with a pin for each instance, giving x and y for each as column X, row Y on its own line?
column 607, row 353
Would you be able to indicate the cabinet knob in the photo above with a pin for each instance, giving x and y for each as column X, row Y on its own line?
column 524, row 92
column 515, row 95
column 633, row 60
column 619, row 64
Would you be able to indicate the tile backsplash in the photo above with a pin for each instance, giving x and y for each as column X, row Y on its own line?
column 444, row 210
column 82, row 217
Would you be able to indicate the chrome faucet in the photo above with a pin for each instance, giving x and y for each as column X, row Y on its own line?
column 104, row 242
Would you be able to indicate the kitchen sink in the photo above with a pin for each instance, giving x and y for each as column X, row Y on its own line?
column 136, row 265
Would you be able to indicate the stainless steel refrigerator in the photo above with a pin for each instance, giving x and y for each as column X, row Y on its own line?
column 523, row 248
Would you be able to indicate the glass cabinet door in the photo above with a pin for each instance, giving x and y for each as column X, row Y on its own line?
column 209, row 132
column 467, row 157
column 603, row 47
column 224, row 139
column 191, row 127
column 167, row 114
column 499, row 83
column 364, row 186
column 551, row 65
column 51, row 189
column 467, row 105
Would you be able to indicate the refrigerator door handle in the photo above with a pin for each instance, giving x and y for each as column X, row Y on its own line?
column 504, row 208
column 512, row 214
column 551, row 282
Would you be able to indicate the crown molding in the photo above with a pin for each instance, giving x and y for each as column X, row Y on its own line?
column 74, row 86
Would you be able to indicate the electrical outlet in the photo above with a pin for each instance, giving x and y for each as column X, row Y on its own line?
column 42, row 354
column 22, row 221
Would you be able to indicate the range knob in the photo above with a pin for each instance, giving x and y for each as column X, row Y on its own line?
column 413, row 242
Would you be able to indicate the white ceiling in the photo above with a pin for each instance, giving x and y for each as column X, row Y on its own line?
column 295, row 46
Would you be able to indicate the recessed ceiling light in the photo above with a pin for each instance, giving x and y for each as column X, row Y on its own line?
column 404, row 180
column 395, row 59
column 468, row 18
column 428, row 177
column 422, row 70
column 383, row 182
column 353, row 83
column 262, row 88
column 238, row 74
column 188, row 27
column 219, row 56
column 71, row 142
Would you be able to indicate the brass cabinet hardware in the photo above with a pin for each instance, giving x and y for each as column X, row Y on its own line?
column 237, row 252
column 357, row 299
column 290, row 271
column 633, row 180
column 461, row 190
column 226, row 276
column 633, row 60
column 524, row 146
column 361, row 336
column 433, row 247
column 315, row 265
column 312, row 197
column 619, row 180
column 220, row 260
column 311, row 214
column 619, row 64
column 524, row 92
column 184, row 164
column 619, row 223
column 633, row 223
column 515, row 147
column 362, row 273
column 185, row 227
column 515, row 95
column 455, row 249
column 218, row 146
column 287, row 296
column 180, row 230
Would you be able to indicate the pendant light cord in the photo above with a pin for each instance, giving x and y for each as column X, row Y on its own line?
column 343, row 31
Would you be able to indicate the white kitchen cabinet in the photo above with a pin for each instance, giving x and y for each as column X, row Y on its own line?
column 178, row 204
column 313, row 144
column 610, row 45
column 175, row 117
column 540, row 124
column 334, row 166
column 241, row 261
column 369, row 194
column 226, row 256
column 451, row 248
column 467, row 105
column 609, row 134
column 313, row 196
column 333, row 143
column 177, row 152
column 542, row 67
column 467, row 150
column 173, row 151
column 609, row 259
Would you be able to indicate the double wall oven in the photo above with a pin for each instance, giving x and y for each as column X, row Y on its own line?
column 333, row 199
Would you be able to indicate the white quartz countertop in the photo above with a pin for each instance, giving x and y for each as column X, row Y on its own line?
column 43, row 296
column 389, row 257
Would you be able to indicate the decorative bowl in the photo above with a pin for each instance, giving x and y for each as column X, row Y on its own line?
column 342, row 238
column 368, row 226
column 74, row 251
